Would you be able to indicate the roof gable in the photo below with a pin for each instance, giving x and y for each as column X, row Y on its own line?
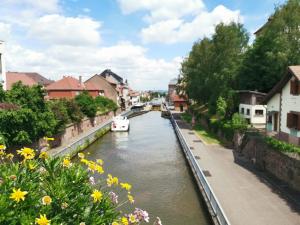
column 66, row 83
column 291, row 71
column 108, row 72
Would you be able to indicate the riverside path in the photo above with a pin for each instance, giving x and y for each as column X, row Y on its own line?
column 246, row 198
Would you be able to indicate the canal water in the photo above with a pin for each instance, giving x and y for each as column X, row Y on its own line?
column 149, row 157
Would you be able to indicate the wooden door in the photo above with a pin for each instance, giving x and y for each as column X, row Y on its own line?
column 275, row 121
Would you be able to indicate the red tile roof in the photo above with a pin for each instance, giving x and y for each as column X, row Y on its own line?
column 70, row 83
column 29, row 79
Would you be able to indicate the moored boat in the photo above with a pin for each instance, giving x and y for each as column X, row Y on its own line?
column 120, row 123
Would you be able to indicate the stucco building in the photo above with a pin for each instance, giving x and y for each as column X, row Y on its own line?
column 104, row 87
column 252, row 109
column 283, row 103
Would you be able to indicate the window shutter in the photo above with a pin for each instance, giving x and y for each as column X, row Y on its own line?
column 289, row 122
column 298, row 122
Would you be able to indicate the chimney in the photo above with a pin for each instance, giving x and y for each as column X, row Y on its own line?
column 80, row 79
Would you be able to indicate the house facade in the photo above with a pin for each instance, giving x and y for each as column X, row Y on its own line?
column 69, row 87
column 2, row 65
column 104, row 87
column 283, row 101
column 252, row 109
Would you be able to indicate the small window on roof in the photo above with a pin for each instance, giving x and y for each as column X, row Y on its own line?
column 259, row 112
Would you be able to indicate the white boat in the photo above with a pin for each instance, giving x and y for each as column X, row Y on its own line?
column 120, row 123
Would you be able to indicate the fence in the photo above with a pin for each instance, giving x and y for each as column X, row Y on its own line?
column 89, row 138
column 214, row 204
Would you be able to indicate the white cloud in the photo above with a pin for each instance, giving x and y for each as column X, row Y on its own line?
column 166, row 9
column 126, row 59
column 23, row 12
column 178, row 30
column 57, row 29
column 5, row 30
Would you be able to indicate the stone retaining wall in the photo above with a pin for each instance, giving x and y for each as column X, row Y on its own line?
column 285, row 167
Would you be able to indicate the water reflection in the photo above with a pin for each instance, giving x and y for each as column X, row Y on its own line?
column 150, row 158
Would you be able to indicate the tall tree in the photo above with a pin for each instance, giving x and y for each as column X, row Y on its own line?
column 276, row 47
column 213, row 64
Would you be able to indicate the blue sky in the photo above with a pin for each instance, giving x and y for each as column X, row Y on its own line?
column 142, row 40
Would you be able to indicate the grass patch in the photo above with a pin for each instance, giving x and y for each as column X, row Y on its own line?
column 207, row 136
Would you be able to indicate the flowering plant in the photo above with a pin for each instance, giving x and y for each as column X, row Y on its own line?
column 43, row 190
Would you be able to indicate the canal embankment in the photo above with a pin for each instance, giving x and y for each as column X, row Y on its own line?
column 84, row 139
column 245, row 197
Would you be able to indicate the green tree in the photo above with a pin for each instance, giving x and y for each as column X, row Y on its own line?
column 213, row 64
column 61, row 114
column 73, row 111
column 2, row 94
column 86, row 104
column 275, row 48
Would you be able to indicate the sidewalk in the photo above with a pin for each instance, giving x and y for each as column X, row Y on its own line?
column 246, row 198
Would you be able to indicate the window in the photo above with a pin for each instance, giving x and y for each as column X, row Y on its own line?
column 248, row 112
column 293, row 121
column 101, row 93
column 269, row 119
column 294, row 87
column 242, row 110
column 259, row 112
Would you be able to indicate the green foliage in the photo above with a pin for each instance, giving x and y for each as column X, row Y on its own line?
column 282, row 146
column 238, row 122
column 69, row 189
column 105, row 104
column 73, row 110
column 221, row 106
column 2, row 94
column 60, row 112
column 87, row 104
column 186, row 117
column 213, row 64
column 276, row 47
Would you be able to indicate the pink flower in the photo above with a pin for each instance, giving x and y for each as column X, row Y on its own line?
column 92, row 180
column 141, row 215
column 113, row 197
column 157, row 221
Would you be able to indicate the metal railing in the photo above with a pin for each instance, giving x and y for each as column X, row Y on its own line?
column 90, row 137
column 212, row 199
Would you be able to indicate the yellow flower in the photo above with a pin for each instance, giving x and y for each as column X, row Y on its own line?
column 2, row 147
column 10, row 156
column 48, row 139
column 2, row 152
column 92, row 166
column 81, row 155
column 84, row 161
column 100, row 162
column 132, row 218
column 82, row 223
column 130, row 198
column 97, row 195
column 42, row 220
column 125, row 186
column 111, row 180
column 18, row 195
column 27, row 153
column 115, row 223
column 44, row 155
column 124, row 221
column 46, row 200
column 64, row 205
column 66, row 162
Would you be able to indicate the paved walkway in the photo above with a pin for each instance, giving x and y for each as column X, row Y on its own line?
column 246, row 198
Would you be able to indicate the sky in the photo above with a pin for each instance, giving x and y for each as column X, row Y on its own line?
column 144, row 41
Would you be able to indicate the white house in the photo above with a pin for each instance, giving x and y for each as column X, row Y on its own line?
column 252, row 109
column 2, row 65
column 284, row 107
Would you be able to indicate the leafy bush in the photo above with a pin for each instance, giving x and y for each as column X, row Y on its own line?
column 87, row 104
column 186, row 117
column 45, row 190
column 238, row 122
column 61, row 114
column 105, row 104
column 221, row 106
column 282, row 146
column 73, row 111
